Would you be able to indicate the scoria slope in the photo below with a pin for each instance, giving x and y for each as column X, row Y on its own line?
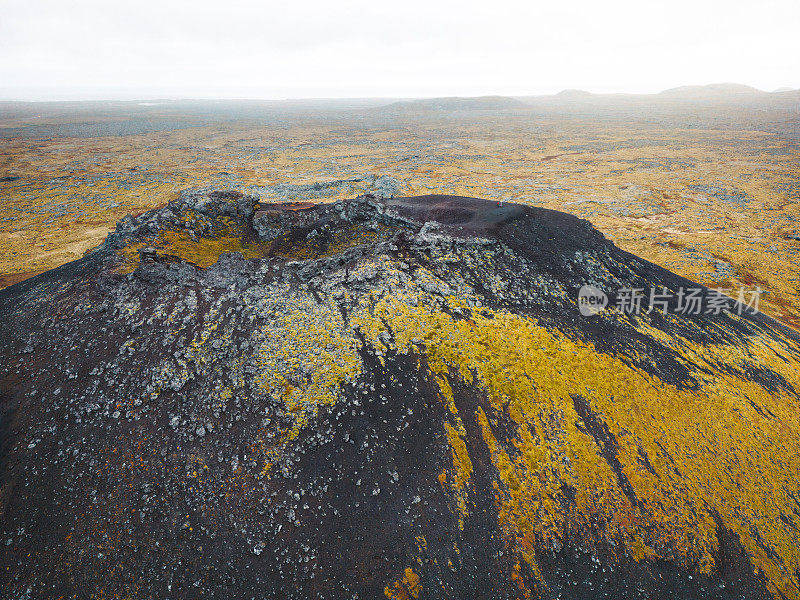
column 386, row 398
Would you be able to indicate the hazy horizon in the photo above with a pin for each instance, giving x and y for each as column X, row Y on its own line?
column 88, row 50
column 167, row 99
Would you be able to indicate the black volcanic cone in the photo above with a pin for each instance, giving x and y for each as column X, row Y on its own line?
column 387, row 398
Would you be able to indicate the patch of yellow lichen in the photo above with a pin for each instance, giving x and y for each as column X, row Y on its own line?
column 202, row 251
column 306, row 357
column 687, row 455
column 406, row 588
column 462, row 467
column 517, row 578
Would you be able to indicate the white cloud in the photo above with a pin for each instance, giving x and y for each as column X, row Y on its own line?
column 53, row 49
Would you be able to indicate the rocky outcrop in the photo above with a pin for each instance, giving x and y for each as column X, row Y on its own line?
column 387, row 398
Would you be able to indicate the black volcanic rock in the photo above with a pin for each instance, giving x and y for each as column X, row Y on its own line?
column 387, row 398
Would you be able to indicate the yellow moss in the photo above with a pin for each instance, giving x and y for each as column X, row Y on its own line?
column 305, row 359
column 709, row 449
column 516, row 576
column 461, row 462
column 462, row 468
column 406, row 588
column 202, row 251
column 442, row 477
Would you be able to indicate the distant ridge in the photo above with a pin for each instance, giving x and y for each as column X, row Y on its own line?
column 454, row 103
column 573, row 93
column 681, row 99
column 712, row 90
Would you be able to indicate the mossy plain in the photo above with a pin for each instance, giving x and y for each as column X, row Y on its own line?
column 711, row 193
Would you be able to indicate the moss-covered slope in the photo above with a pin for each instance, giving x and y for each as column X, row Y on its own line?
column 387, row 398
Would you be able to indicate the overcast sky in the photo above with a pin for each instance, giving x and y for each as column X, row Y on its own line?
column 98, row 49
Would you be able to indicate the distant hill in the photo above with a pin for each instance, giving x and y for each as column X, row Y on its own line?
column 714, row 90
column 716, row 105
column 454, row 103
column 571, row 93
